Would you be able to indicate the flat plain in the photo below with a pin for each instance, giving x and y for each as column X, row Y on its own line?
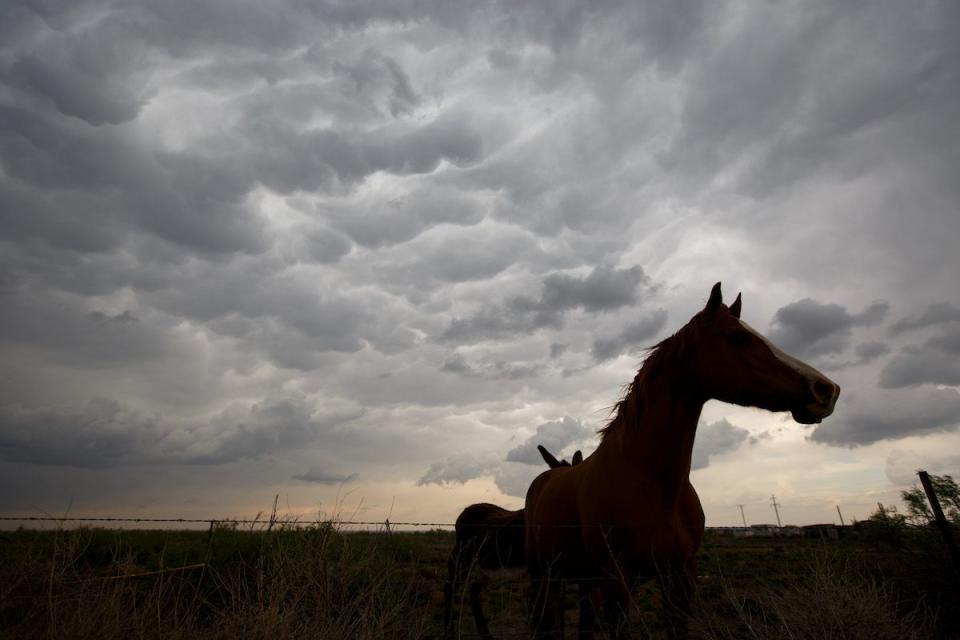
column 326, row 582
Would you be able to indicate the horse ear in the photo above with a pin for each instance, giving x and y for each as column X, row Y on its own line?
column 716, row 299
column 577, row 457
column 552, row 462
column 735, row 307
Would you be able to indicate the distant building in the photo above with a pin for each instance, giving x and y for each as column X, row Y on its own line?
column 822, row 531
column 764, row 530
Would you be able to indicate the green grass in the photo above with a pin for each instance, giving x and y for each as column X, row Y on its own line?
column 321, row 582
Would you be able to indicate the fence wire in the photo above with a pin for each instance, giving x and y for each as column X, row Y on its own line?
column 279, row 521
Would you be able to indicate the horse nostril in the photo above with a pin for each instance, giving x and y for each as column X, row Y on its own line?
column 823, row 391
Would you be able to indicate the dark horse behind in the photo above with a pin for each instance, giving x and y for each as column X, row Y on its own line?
column 629, row 512
column 487, row 537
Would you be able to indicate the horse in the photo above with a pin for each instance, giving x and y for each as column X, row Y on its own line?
column 487, row 537
column 628, row 512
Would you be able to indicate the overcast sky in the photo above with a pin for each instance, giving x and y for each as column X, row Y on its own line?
column 366, row 255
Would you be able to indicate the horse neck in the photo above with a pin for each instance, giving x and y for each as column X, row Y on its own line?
column 656, row 440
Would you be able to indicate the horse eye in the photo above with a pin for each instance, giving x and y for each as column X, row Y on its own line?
column 739, row 338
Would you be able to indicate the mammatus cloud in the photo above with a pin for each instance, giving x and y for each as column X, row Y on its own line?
column 244, row 222
column 603, row 289
column 716, row 438
column 809, row 328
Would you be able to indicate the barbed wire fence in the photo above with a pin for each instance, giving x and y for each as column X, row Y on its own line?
column 385, row 523
column 273, row 522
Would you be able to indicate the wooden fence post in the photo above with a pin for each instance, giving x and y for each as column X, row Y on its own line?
column 940, row 519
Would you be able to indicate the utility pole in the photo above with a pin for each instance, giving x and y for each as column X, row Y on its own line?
column 842, row 523
column 773, row 501
column 743, row 517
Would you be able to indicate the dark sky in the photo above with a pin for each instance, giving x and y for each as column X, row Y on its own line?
column 368, row 254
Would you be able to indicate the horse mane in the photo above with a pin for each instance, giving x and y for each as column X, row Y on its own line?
column 627, row 410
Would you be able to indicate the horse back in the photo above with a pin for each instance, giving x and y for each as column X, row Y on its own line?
column 493, row 533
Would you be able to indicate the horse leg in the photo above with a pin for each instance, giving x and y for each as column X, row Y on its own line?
column 616, row 608
column 545, row 608
column 678, row 586
column 476, row 586
column 589, row 602
column 449, row 590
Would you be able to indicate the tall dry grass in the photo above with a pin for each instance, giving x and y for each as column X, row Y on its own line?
column 830, row 600
column 315, row 583
column 322, row 582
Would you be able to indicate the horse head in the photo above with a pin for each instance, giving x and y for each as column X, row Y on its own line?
column 733, row 362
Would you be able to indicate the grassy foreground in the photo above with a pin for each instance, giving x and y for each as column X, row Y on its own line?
column 321, row 582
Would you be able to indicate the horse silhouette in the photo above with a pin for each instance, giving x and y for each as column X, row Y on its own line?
column 488, row 537
column 628, row 512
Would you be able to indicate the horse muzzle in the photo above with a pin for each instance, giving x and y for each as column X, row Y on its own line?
column 822, row 400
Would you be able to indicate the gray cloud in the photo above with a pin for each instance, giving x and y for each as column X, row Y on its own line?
column 513, row 474
column 496, row 370
column 714, row 439
column 891, row 415
column 902, row 465
column 86, row 76
column 809, row 97
column 938, row 313
column 106, row 433
column 936, row 361
column 375, row 222
column 807, row 327
column 870, row 351
column 77, row 336
column 513, row 479
column 458, row 470
column 603, row 289
column 555, row 436
column 321, row 476
column 633, row 336
column 209, row 202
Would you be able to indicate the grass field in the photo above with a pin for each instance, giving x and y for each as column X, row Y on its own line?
column 321, row 582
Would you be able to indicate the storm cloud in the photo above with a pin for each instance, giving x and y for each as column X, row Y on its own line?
column 298, row 245
column 603, row 289
column 892, row 415
column 809, row 328
column 935, row 361
column 714, row 439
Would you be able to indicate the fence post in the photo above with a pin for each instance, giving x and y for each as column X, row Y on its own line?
column 940, row 519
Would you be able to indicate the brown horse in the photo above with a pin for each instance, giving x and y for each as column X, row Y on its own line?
column 487, row 537
column 629, row 512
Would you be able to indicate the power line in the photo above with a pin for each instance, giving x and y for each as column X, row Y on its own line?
column 773, row 501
